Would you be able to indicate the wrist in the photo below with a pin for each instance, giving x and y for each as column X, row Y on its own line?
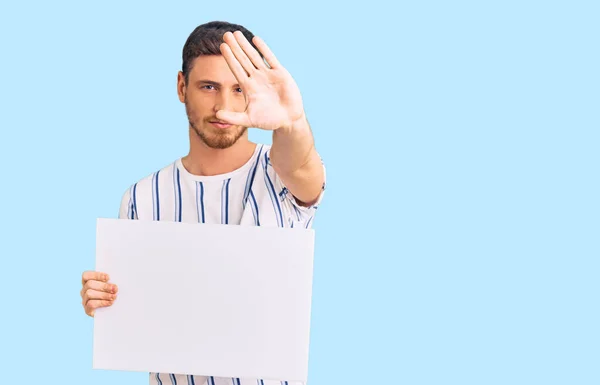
column 296, row 126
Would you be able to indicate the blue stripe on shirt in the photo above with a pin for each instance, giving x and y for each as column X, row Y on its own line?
column 177, row 188
column 173, row 379
column 250, row 178
column 297, row 212
column 272, row 194
column 225, row 202
column 308, row 223
column 158, row 379
column 130, row 207
column 200, row 201
column 254, row 207
column 155, row 196
column 134, row 202
column 179, row 194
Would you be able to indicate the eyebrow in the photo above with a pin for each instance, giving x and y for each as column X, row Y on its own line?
column 213, row 83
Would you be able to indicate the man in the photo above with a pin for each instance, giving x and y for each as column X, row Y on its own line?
column 230, row 80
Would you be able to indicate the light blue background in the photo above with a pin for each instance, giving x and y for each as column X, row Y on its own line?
column 458, row 241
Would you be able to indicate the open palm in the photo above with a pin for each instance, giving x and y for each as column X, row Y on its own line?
column 272, row 96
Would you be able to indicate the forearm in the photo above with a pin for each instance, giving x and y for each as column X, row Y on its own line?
column 296, row 161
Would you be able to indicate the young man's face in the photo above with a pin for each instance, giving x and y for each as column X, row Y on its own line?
column 211, row 87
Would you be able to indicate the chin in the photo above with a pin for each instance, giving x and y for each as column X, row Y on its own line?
column 220, row 143
column 220, row 140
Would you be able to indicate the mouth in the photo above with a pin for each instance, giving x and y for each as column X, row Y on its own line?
column 220, row 124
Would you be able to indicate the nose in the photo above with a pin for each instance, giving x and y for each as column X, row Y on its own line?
column 223, row 102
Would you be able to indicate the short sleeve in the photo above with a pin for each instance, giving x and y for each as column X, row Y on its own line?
column 299, row 215
column 127, row 209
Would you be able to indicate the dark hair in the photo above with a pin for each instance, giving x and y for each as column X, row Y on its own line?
column 206, row 39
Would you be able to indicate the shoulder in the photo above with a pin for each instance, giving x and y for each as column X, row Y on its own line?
column 263, row 151
column 141, row 191
column 147, row 182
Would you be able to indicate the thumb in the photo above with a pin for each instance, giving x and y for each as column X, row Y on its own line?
column 237, row 118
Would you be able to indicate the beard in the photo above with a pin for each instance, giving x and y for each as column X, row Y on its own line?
column 212, row 137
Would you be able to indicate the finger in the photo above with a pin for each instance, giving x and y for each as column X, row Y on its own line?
column 91, row 294
column 239, row 53
column 98, row 286
column 236, row 118
column 101, row 286
column 95, row 275
column 238, row 71
column 249, row 50
column 266, row 52
column 91, row 306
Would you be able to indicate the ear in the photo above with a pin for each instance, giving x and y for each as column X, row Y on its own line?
column 181, row 87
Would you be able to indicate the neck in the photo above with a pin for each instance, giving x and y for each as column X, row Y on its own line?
column 207, row 161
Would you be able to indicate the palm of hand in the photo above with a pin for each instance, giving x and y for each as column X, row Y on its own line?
column 272, row 96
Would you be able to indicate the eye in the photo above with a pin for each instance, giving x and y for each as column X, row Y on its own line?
column 208, row 85
column 238, row 90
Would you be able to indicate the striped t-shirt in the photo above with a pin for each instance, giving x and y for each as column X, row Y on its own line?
column 252, row 195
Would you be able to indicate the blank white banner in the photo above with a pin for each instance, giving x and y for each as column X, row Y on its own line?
column 215, row 300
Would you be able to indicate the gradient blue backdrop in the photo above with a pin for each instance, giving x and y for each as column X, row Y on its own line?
column 458, row 241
